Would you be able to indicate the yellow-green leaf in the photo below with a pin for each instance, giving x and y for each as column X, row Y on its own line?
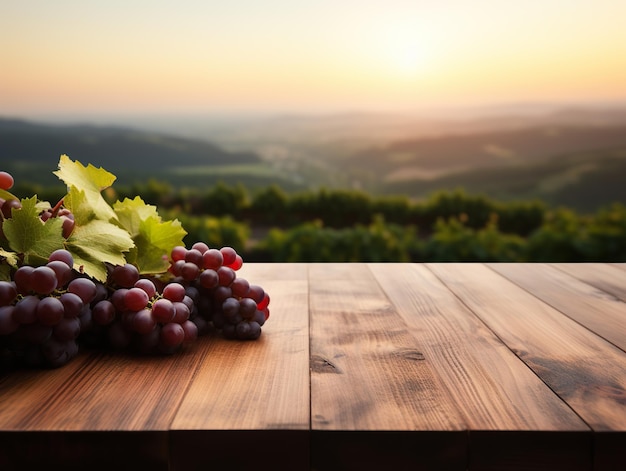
column 153, row 237
column 27, row 234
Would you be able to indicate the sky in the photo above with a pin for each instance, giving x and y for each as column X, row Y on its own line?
column 68, row 57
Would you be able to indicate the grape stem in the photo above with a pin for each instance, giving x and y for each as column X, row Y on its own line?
column 56, row 208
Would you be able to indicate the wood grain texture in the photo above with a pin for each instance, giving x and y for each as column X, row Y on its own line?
column 595, row 309
column 248, row 404
column 605, row 276
column 120, row 392
column 582, row 368
column 367, row 371
column 493, row 389
column 259, row 385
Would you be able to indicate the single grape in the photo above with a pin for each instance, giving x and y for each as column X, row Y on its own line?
column 190, row 331
column 43, row 280
column 240, row 287
column 229, row 254
column 25, row 311
column 208, row 278
column 72, row 303
column 125, row 275
column 8, row 324
column 146, row 285
column 163, row 310
column 84, row 288
column 182, row 313
column 194, row 256
column 22, row 279
column 237, row 264
column 67, row 227
column 243, row 330
column 226, row 276
column 8, row 293
column 178, row 253
column 172, row 336
column 189, row 271
column 212, row 259
column 136, row 299
column 264, row 302
column 50, row 310
column 103, row 313
column 247, row 308
column 230, row 307
column 118, row 299
column 200, row 247
column 259, row 317
column 143, row 322
column 255, row 331
column 257, row 293
column 6, row 181
column 8, row 207
column 175, row 292
column 62, row 271
column 63, row 256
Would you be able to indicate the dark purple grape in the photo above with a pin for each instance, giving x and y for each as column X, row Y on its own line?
column 62, row 255
column 72, row 303
column 163, row 310
column 136, row 299
column 175, row 292
column 50, row 311
column 146, row 285
column 84, row 288
column 62, row 271
column 8, row 293
column 125, row 275
column 143, row 322
column 103, row 313
column 26, row 310
column 8, row 324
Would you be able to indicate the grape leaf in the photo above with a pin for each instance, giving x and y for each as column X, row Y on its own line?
column 27, row 234
column 95, row 241
column 7, row 260
column 91, row 181
column 154, row 238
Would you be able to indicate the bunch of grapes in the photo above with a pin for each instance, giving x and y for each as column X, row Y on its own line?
column 227, row 302
column 43, row 310
column 47, row 311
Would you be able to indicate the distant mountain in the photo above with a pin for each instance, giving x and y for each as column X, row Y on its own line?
column 114, row 148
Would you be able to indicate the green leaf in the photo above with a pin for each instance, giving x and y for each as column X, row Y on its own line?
column 91, row 181
column 153, row 237
column 8, row 260
column 27, row 234
column 95, row 241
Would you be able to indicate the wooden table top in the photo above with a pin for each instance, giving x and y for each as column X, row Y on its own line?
column 360, row 366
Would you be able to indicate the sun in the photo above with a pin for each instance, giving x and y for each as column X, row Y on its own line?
column 407, row 59
column 405, row 53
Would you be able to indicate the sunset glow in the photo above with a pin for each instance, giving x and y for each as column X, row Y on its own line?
column 190, row 56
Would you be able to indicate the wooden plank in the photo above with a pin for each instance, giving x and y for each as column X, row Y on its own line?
column 492, row 388
column 605, row 276
column 369, row 377
column 582, row 368
column 595, row 309
column 253, row 392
